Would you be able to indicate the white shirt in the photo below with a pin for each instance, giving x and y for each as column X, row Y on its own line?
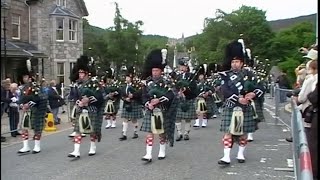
column 307, row 87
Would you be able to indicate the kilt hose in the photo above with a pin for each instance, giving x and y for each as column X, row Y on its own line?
column 249, row 124
column 186, row 110
column 135, row 113
column 37, row 118
column 169, row 121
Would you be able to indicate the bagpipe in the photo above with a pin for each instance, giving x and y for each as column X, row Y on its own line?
column 88, row 92
column 204, row 92
column 158, row 90
column 29, row 98
column 132, row 92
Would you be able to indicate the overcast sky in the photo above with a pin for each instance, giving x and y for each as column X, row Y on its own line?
column 173, row 17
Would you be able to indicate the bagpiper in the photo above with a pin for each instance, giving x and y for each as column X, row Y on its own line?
column 204, row 100
column 131, row 94
column 215, row 82
column 89, row 103
column 239, row 90
column 160, row 103
column 112, row 90
column 186, row 108
column 34, row 106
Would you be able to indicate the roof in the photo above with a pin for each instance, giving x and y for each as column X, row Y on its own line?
column 83, row 7
column 60, row 11
column 21, row 49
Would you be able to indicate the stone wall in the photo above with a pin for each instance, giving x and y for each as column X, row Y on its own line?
column 43, row 27
column 20, row 8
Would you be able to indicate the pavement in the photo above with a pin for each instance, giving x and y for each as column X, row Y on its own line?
column 267, row 157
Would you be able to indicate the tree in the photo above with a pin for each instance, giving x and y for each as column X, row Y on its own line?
column 123, row 39
column 225, row 27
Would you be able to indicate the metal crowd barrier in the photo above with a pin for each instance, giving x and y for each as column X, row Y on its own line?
column 301, row 153
column 280, row 96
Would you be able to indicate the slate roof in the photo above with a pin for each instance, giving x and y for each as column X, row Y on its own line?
column 60, row 11
column 21, row 49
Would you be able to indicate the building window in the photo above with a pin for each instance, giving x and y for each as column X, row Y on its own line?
column 15, row 26
column 60, row 72
column 59, row 33
column 73, row 30
column 62, row 3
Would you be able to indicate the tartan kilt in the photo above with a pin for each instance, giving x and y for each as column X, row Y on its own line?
column 190, row 114
column 37, row 118
column 259, row 111
column 95, row 122
column 249, row 124
column 169, row 121
column 146, row 123
column 211, row 106
column 136, row 112
column 99, row 120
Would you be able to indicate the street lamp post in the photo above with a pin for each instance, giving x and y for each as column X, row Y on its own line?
column 4, row 14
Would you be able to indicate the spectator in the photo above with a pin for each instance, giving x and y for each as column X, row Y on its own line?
column 55, row 101
column 313, row 136
column 283, row 83
column 301, row 73
column 307, row 87
column 5, row 99
column 60, row 88
column 14, row 110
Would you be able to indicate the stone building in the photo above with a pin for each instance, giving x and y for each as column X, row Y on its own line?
column 49, row 32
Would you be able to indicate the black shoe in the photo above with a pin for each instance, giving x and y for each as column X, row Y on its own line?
column 179, row 137
column 289, row 139
column 147, row 160
column 123, row 138
column 91, row 154
column 35, row 152
column 13, row 135
column 223, row 162
column 20, row 152
column 73, row 156
column 18, row 134
column 241, row 160
column 186, row 137
column 161, row 158
column 3, row 139
column 135, row 136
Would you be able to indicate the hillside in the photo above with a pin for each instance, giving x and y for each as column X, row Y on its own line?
column 278, row 25
column 281, row 24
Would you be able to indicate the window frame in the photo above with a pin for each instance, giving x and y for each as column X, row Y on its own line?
column 18, row 24
column 57, row 29
column 58, row 75
column 73, row 24
column 62, row 3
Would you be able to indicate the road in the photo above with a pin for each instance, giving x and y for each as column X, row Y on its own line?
column 195, row 159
